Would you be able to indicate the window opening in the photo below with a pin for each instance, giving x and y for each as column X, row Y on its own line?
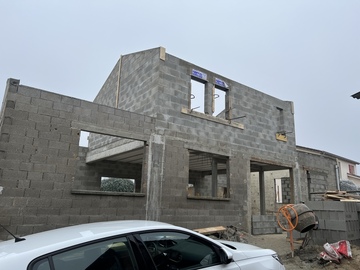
column 278, row 190
column 208, row 175
column 84, row 138
column 220, row 99
column 197, row 96
column 117, row 184
column 280, row 120
column 219, row 103
column 110, row 164
column 351, row 169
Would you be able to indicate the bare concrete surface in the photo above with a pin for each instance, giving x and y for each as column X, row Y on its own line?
column 305, row 258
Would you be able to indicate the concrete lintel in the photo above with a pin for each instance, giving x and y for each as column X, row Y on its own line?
column 109, row 131
column 212, row 118
column 106, row 153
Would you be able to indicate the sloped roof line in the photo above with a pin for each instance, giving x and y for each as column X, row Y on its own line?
column 321, row 152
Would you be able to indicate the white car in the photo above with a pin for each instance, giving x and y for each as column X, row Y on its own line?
column 129, row 245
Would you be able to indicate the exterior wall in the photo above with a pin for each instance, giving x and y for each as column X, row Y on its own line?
column 317, row 174
column 40, row 157
column 152, row 86
column 160, row 87
column 344, row 169
column 47, row 184
column 134, row 81
column 337, row 221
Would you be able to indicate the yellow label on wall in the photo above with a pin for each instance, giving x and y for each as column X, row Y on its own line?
column 281, row 137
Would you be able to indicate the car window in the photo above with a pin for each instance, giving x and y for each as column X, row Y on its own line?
column 41, row 265
column 174, row 250
column 114, row 254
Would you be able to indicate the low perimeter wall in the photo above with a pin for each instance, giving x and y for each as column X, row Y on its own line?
column 264, row 224
column 337, row 221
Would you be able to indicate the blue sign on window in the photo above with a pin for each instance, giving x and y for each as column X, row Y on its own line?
column 199, row 74
column 221, row 83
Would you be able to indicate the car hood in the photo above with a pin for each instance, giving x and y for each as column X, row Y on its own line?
column 243, row 251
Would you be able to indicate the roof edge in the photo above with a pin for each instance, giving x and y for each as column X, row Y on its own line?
column 321, row 152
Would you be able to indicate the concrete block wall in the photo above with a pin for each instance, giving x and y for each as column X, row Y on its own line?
column 178, row 208
column 286, row 190
column 153, row 86
column 257, row 139
column 270, row 196
column 337, row 221
column 322, row 175
column 132, row 86
column 134, row 81
column 39, row 146
column 265, row 224
column 162, row 87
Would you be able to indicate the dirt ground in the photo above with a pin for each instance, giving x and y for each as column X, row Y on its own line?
column 304, row 258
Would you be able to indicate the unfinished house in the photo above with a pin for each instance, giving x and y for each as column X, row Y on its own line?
column 319, row 171
column 176, row 142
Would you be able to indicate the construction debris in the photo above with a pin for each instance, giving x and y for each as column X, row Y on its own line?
column 335, row 252
column 230, row 233
column 211, row 230
column 343, row 196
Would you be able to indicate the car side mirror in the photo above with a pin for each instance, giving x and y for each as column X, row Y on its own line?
column 225, row 256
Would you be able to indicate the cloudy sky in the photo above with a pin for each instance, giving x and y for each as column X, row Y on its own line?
column 300, row 50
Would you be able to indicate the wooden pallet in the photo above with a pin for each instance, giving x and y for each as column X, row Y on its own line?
column 342, row 196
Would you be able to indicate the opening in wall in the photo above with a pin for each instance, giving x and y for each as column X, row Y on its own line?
column 278, row 191
column 84, row 138
column 208, row 175
column 197, row 96
column 117, row 184
column 109, row 164
column 219, row 103
column 280, row 119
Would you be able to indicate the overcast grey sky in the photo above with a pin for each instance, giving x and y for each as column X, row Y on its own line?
column 299, row 50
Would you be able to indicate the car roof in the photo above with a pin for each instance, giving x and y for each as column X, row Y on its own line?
column 72, row 235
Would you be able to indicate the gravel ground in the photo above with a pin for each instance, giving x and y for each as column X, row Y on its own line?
column 306, row 258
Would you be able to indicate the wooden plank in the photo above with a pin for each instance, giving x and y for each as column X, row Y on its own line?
column 333, row 197
column 211, row 230
column 335, row 192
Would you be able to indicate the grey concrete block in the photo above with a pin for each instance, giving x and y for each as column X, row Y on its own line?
column 38, row 202
column 337, row 225
column 49, row 96
column 26, row 107
column 315, row 205
column 334, row 205
column 37, row 118
column 259, row 231
column 58, row 221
